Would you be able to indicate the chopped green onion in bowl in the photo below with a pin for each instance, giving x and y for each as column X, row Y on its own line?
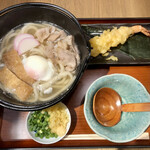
column 39, row 125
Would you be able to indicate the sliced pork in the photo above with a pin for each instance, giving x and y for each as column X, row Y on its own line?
column 42, row 34
column 60, row 46
column 67, row 58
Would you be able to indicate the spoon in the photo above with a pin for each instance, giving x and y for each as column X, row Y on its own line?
column 107, row 107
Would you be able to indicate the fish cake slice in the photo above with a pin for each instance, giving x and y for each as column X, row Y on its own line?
column 14, row 85
column 12, row 60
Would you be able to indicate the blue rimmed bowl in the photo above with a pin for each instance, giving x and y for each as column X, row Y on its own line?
column 132, row 124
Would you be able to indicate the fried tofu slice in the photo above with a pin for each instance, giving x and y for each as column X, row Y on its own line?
column 14, row 85
column 12, row 60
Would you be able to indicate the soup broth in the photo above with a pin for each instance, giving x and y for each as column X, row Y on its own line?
column 41, row 56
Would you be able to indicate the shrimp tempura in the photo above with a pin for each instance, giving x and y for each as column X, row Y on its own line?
column 101, row 44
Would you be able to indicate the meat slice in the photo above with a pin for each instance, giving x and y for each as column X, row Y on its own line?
column 13, row 61
column 62, row 34
column 69, row 40
column 49, row 51
column 54, row 36
column 62, row 44
column 42, row 34
column 14, row 85
column 68, row 44
column 67, row 58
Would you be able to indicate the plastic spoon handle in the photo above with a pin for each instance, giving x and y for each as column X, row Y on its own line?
column 135, row 107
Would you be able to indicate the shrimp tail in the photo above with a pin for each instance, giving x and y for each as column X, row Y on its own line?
column 139, row 28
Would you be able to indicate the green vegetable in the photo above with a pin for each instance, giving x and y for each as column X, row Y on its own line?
column 39, row 123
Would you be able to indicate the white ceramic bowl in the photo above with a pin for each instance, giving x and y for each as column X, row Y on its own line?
column 50, row 140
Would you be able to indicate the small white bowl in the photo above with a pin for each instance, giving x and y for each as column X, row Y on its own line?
column 50, row 140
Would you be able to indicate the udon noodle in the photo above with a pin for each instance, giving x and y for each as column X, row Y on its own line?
column 62, row 78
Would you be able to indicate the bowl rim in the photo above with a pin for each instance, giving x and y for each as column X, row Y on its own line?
column 80, row 70
column 90, row 124
column 43, row 4
column 55, row 139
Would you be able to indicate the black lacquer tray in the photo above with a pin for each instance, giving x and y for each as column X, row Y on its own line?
column 135, row 51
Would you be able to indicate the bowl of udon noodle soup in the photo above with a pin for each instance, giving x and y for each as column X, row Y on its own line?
column 43, row 53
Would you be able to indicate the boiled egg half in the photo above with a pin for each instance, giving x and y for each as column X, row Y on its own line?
column 38, row 68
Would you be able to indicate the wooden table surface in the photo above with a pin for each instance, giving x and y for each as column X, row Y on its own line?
column 96, row 8
column 81, row 9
